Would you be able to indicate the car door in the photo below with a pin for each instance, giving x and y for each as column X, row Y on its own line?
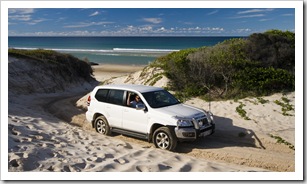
column 114, row 108
column 135, row 120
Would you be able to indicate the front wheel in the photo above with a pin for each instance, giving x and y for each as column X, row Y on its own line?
column 102, row 125
column 164, row 139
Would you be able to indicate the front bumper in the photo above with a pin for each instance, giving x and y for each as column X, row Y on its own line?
column 191, row 134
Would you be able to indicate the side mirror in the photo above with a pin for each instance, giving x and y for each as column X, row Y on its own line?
column 140, row 107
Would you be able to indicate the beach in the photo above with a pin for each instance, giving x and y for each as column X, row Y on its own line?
column 49, row 133
column 104, row 72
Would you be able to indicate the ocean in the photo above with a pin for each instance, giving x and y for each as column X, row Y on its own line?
column 114, row 50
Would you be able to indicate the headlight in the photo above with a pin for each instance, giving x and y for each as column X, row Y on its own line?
column 209, row 116
column 184, row 123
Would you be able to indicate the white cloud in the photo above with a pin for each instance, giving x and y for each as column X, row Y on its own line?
column 252, row 13
column 255, row 11
column 243, row 30
column 61, row 19
column 53, row 33
column 288, row 14
column 87, row 24
column 153, row 20
column 20, row 10
column 146, row 28
column 248, row 16
column 94, row 14
column 162, row 29
column 34, row 22
column 263, row 20
column 131, row 30
column 187, row 23
column 20, row 14
column 217, row 29
column 213, row 12
column 20, row 17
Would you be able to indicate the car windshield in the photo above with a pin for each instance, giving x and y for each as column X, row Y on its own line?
column 162, row 98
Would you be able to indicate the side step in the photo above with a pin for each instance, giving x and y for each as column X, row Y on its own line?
column 130, row 133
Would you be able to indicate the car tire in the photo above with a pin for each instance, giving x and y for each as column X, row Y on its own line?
column 164, row 138
column 102, row 125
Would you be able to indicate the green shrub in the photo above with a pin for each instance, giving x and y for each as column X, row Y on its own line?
column 262, row 101
column 285, row 107
column 282, row 141
column 242, row 112
column 273, row 48
column 264, row 80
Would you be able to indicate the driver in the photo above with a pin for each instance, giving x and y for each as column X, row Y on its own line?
column 136, row 101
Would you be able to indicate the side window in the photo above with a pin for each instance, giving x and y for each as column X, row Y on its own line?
column 116, row 97
column 101, row 95
column 130, row 97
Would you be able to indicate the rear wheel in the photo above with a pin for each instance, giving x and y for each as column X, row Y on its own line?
column 163, row 138
column 102, row 125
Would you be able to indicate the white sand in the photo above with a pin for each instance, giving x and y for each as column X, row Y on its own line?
column 39, row 141
column 106, row 71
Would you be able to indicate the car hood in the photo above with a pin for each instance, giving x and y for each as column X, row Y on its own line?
column 181, row 110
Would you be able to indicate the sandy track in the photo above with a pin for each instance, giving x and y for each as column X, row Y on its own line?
column 39, row 141
column 255, row 150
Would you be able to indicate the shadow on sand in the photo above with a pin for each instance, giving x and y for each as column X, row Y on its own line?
column 226, row 135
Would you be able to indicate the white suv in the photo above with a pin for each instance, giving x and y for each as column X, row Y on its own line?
column 160, row 118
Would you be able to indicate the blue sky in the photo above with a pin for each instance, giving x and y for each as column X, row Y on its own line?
column 148, row 21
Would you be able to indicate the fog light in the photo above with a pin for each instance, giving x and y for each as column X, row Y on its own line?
column 188, row 134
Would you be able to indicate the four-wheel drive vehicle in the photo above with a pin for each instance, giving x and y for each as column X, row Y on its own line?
column 159, row 117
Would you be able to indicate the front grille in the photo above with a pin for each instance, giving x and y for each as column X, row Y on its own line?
column 201, row 122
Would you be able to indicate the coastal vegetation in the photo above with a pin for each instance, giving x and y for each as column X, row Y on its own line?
column 282, row 141
column 261, row 64
column 242, row 112
column 285, row 106
column 65, row 65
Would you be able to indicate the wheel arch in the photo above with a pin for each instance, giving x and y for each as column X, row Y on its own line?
column 154, row 127
column 96, row 115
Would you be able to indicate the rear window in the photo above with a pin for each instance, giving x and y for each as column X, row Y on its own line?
column 101, row 95
column 116, row 97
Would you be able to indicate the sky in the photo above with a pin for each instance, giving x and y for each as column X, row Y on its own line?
column 148, row 21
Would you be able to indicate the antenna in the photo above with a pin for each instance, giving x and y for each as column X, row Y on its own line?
column 209, row 102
